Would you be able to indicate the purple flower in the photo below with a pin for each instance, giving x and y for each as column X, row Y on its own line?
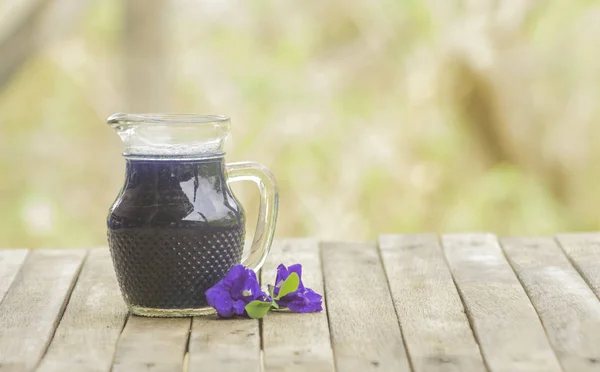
column 239, row 287
column 303, row 300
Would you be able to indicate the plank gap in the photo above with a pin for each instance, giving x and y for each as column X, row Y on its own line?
column 583, row 276
column 296, row 342
column 510, row 333
column 261, row 326
column 435, row 328
column 92, row 320
column 186, row 361
column 471, row 326
column 64, row 306
column 261, row 345
column 389, row 289
column 226, row 345
column 112, row 361
column 152, row 344
column 511, row 264
column 11, row 264
column 568, row 308
column 464, row 305
column 186, row 352
column 574, row 247
column 31, row 309
column 325, row 307
column 356, row 289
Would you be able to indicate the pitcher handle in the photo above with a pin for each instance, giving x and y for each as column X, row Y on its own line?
column 267, row 212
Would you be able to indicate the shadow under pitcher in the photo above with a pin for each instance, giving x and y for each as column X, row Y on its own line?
column 176, row 228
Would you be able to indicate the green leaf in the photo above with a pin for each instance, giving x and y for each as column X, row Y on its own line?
column 289, row 285
column 271, row 291
column 257, row 309
column 275, row 305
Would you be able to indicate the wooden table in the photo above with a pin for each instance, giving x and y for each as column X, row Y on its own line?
column 410, row 302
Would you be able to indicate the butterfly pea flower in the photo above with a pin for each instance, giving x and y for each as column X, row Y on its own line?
column 239, row 293
column 238, row 288
column 302, row 300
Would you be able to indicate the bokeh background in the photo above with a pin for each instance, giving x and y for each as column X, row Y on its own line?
column 375, row 116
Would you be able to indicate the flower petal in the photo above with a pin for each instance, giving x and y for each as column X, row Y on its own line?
column 297, row 268
column 290, row 297
column 298, row 304
column 282, row 274
column 251, row 274
column 239, row 307
column 237, row 289
column 224, row 305
column 212, row 294
column 307, row 301
column 251, row 290
column 315, row 301
column 234, row 273
column 245, row 287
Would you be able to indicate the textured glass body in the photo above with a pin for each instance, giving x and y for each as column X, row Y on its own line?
column 174, row 231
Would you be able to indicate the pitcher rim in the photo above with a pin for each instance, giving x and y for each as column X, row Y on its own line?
column 165, row 118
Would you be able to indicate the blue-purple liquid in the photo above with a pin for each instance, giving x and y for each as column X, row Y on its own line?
column 174, row 231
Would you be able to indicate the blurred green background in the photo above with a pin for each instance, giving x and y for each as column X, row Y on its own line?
column 375, row 116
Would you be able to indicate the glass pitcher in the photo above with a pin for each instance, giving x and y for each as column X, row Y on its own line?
column 176, row 228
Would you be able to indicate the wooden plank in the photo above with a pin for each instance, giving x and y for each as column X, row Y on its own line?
column 436, row 330
column 92, row 322
column 226, row 345
column 10, row 263
column 33, row 305
column 504, row 321
column 152, row 344
column 364, row 327
column 569, row 310
column 583, row 249
column 296, row 342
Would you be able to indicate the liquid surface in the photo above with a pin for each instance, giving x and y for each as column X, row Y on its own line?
column 174, row 231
